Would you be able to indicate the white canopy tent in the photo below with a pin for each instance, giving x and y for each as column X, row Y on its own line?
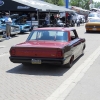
column 41, row 5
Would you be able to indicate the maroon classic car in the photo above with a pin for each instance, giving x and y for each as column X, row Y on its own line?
column 50, row 45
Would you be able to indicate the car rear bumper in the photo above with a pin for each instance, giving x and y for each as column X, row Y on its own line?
column 43, row 60
column 93, row 29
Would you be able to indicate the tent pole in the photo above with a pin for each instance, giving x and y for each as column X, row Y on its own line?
column 58, row 14
column 65, row 19
column 49, row 18
column 38, row 17
column 9, row 12
column 31, row 21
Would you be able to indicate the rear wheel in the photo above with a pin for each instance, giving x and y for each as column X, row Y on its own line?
column 83, row 49
column 70, row 63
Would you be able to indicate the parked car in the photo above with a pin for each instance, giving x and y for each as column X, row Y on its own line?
column 51, row 45
column 93, row 25
column 73, row 18
column 82, row 18
column 93, row 15
column 21, row 21
column 58, row 23
column 15, row 29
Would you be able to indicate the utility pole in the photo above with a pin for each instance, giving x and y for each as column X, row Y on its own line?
column 67, row 3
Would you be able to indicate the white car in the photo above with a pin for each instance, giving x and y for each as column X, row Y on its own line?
column 82, row 18
column 15, row 29
column 93, row 15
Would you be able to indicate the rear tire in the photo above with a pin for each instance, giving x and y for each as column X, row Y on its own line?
column 70, row 63
column 83, row 49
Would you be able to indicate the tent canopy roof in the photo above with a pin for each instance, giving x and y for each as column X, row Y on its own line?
column 41, row 5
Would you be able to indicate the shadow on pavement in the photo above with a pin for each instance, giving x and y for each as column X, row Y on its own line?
column 44, row 69
column 4, row 38
column 91, row 32
column 23, row 33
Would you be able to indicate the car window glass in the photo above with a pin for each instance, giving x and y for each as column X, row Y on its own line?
column 92, row 15
column 94, row 20
column 52, row 33
column 59, row 33
column 49, row 35
column 72, row 35
column 33, row 37
column 98, row 15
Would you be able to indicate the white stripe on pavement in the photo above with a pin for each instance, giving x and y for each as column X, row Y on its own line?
column 2, row 46
column 65, row 88
column 3, row 54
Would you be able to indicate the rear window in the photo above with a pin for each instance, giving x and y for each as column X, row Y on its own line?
column 93, row 15
column 94, row 20
column 48, row 35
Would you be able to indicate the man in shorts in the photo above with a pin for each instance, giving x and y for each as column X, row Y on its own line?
column 8, row 22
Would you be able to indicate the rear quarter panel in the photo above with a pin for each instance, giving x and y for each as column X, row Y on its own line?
column 74, row 48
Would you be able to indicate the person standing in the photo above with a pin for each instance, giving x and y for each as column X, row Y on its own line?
column 47, row 19
column 67, row 14
column 78, row 20
column 52, row 19
column 69, row 19
column 8, row 22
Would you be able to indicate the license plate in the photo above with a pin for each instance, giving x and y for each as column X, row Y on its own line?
column 94, row 29
column 34, row 61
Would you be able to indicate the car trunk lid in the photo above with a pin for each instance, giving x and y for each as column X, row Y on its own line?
column 39, row 49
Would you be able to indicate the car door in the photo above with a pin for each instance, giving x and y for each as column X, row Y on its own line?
column 76, row 45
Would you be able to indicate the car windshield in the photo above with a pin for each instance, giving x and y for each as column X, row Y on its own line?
column 94, row 20
column 49, row 35
column 93, row 15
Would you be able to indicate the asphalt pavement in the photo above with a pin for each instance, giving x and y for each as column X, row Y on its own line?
column 88, row 88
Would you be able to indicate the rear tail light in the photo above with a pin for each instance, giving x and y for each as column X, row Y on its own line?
column 59, row 53
column 12, row 52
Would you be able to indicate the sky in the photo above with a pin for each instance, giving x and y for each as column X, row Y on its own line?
column 96, row 0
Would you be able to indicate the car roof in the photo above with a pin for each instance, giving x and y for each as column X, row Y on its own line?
column 55, row 28
column 93, row 13
column 95, row 18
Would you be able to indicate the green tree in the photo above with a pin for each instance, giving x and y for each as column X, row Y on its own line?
column 60, row 3
column 97, row 4
column 49, row 1
column 80, row 3
column 56, row 2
